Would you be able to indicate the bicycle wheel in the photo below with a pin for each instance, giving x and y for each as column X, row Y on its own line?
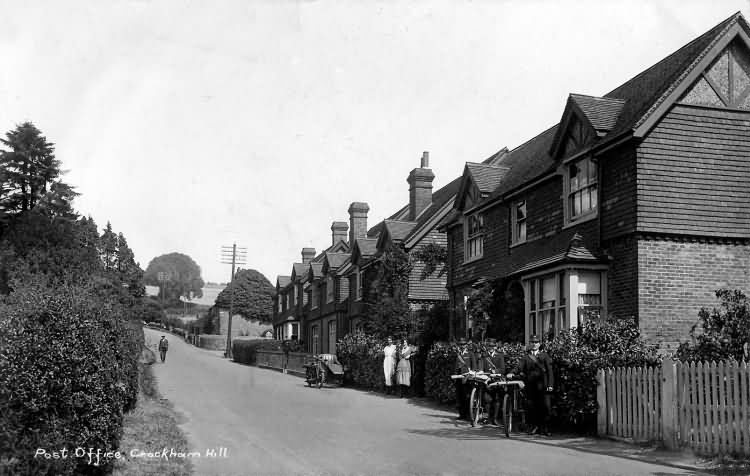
column 508, row 414
column 475, row 406
column 320, row 378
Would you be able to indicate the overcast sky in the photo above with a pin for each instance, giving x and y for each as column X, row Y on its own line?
column 191, row 125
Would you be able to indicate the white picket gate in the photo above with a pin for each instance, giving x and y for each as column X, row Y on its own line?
column 701, row 405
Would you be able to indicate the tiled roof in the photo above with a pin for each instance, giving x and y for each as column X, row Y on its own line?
column 439, row 198
column 638, row 95
column 494, row 158
column 602, row 113
column 335, row 260
column 345, row 266
column 487, row 177
column 367, row 246
column 575, row 253
column 398, row 230
column 300, row 269
column 283, row 281
column 642, row 91
column 317, row 269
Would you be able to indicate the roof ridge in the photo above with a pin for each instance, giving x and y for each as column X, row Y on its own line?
column 488, row 165
column 602, row 98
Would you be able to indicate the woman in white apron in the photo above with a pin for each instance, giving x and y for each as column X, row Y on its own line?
column 389, row 364
column 403, row 371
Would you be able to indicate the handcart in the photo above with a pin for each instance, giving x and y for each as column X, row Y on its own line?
column 323, row 368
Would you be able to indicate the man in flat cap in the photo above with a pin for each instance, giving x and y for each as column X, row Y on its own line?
column 493, row 362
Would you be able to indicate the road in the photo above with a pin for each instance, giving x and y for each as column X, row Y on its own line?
column 272, row 424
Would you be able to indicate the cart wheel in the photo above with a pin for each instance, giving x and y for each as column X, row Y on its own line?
column 508, row 414
column 475, row 406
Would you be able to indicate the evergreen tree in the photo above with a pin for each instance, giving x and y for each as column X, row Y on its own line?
column 253, row 296
column 29, row 169
column 108, row 243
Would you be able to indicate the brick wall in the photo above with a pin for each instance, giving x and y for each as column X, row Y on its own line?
column 622, row 277
column 677, row 278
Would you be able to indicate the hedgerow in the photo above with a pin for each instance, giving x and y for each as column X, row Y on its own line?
column 68, row 372
column 361, row 355
column 245, row 351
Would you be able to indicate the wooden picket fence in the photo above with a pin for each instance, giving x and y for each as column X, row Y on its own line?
column 703, row 405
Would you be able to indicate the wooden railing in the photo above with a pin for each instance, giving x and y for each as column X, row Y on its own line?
column 704, row 406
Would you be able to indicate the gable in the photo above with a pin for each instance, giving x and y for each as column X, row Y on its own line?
column 469, row 194
column 726, row 82
column 577, row 136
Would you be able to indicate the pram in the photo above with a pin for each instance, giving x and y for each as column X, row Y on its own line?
column 324, row 368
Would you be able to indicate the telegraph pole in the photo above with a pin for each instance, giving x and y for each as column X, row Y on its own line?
column 234, row 256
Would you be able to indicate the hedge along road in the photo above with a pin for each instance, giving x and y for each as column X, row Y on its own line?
column 271, row 423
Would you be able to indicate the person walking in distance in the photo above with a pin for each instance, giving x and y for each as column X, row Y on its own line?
column 535, row 368
column 163, row 347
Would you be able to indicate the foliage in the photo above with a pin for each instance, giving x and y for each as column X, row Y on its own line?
column 441, row 364
column 434, row 257
column 253, row 294
column 68, row 371
column 183, row 273
column 389, row 313
column 30, row 172
column 723, row 331
column 361, row 355
column 501, row 310
column 203, row 325
column 578, row 354
column 245, row 351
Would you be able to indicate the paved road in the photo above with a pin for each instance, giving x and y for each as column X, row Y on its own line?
column 272, row 423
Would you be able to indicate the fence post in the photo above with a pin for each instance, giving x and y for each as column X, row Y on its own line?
column 669, row 403
column 601, row 401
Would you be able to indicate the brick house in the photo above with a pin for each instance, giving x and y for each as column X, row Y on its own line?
column 326, row 296
column 636, row 203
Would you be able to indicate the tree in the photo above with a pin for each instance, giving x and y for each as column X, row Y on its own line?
column 108, row 243
column 253, row 296
column 29, row 171
column 722, row 332
column 389, row 314
column 183, row 273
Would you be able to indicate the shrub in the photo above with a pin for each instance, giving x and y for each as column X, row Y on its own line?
column 361, row 355
column 245, row 351
column 68, row 371
column 723, row 331
column 578, row 354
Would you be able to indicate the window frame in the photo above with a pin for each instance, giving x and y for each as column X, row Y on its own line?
column 314, row 295
column 592, row 182
column 329, row 289
column 476, row 237
column 515, row 232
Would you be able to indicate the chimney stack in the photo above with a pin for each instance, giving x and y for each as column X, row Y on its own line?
column 307, row 255
column 357, row 221
column 420, row 187
column 339, row 231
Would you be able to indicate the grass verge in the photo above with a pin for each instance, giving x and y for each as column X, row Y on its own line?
column 151, row 427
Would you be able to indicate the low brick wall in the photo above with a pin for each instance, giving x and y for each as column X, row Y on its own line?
column 274, row 359
column 212, row 342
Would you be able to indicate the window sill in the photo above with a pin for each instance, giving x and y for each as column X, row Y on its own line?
column 517, row 243
column 472, row 259
column 582, row 219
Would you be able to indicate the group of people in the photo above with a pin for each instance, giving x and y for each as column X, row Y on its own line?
column 397, row 366
column 534, row 368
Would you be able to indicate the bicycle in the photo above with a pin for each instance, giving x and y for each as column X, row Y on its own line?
column 315, row 374
column 479, row 382
column 511, row 402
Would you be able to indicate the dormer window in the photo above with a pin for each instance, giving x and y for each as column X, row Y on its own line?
column 581, row 184
column 518, row 219
column 315, row 298
column 474, row 243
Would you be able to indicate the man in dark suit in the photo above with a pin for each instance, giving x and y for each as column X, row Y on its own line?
column 535, row 368
column 493, row 361
column 463, row 365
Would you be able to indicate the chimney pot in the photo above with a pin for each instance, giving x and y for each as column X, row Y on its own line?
column 339, row 231
column 307, row 255
column 425, row 160
column 357, row 221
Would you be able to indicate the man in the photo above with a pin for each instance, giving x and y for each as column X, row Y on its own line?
column 535, row 368
column 163, row 346
column 493, row 362
column 463, row 363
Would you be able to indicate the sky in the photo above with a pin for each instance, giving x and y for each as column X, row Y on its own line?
column 191, row 125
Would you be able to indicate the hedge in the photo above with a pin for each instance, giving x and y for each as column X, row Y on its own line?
column 362, row 357
column 244, row 351
column 68, row 372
